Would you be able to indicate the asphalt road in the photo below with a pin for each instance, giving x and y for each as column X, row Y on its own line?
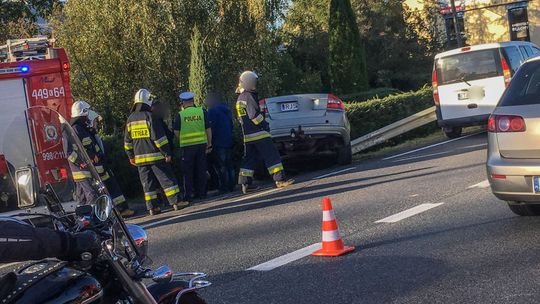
column 463, row 246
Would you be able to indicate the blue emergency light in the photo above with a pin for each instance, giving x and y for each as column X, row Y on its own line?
column 24, row 68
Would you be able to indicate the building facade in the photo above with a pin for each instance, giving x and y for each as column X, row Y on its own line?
column 485, row 21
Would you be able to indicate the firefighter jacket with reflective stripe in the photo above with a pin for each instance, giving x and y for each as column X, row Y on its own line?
column 145, row 141
column 193, row 127
column 251, row 118
column 77, row 163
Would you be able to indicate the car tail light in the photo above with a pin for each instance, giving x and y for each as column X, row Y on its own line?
column 334, row 103
column 506, row 124
column 506, row 72
column 498, row 176
column 262, row 105
column 435, row 85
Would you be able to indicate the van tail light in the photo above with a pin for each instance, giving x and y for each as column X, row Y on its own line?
column 4, row 171
column 506, row 124
column 334, row 103
column 262, row 105
column 506, row 72
column 435, row 86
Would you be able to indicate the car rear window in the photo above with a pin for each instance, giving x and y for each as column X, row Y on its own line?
column 469, row 66
column 524, row 88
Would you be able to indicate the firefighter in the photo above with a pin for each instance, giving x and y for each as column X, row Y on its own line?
column 193, row 130
column 104, row 173
column 148, row 148
column 79, row 168
column 257, row 137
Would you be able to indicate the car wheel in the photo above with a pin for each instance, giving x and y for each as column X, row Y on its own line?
column 344, row 156
column 525, row 210
column 453, row 132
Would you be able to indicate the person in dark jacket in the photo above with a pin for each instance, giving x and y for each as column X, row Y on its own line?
column 22, row 242
column 221, row 121
column 105, row 174
column 257, row 137
column 159, row 110
column 148, row 148
column 79, row 168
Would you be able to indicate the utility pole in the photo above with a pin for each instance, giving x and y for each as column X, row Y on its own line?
column 456, row 25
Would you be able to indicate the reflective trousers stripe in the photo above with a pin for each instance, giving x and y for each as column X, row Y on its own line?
column 147, row 158
column 148, row 196
column 171, row 190
column 275, row 168
column 256, row 136
column 246, row 172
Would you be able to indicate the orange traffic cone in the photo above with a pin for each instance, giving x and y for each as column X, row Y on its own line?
column 332, row 245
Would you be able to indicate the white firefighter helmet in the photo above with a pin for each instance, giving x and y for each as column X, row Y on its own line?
column 80, row 108
column 143, row 96
column 247, row 81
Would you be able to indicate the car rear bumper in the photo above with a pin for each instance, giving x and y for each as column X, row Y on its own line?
column 511, row 179
column 462, row 121
column 295, row 142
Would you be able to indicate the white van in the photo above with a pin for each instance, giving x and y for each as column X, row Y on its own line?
column 468, row 82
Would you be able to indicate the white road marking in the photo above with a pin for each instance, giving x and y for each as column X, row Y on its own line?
column 414, row 195
column 156, row 223
column 419, row 156
column 431, row 146
column 408, row 213
column 334, row 173
column 481, row 185
column 287, row 258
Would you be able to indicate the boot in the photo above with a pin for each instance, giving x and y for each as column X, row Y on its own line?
column 283, row 184
column 180, row 205
column 249, row 188
column 155, row 211
column 127, row 212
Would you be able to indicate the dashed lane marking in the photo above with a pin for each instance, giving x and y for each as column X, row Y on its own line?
column 334, row 173
column 430, row 146
column 481, row 185
column 287, row 258
column 408, row 213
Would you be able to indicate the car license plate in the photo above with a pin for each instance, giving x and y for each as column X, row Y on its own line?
column 463, row 95
column 536, row 184
column 289, row 106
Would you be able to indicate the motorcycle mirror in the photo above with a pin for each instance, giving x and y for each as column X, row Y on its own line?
column 162, row 275
column 26, row 187
column 103, row 207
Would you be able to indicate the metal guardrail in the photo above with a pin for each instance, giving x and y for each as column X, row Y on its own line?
column 397, row 128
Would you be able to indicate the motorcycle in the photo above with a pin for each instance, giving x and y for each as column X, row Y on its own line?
column 41, row 174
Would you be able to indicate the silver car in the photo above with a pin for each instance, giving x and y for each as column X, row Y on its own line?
column 309, row 124
column 513, row 164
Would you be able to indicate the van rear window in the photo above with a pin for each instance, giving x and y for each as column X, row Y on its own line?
column 469, row 66
column 524, row 88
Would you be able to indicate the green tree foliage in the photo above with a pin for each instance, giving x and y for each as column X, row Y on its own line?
column 347, row 62
column 199, row 75
column 18, row 18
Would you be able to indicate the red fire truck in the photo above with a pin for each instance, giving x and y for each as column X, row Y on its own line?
column 33, row 73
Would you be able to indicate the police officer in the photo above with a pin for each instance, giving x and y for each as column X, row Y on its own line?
column 257, row 137
column 79, row 168
column 104, row 173
column 195, row 137
column 148, row 148
column 22, row 242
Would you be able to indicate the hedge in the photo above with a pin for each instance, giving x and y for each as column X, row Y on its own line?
column 364, row 117
column 376, row 93
column 374, row 114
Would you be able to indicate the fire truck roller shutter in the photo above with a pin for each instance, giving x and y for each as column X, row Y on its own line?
column 13, row 122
